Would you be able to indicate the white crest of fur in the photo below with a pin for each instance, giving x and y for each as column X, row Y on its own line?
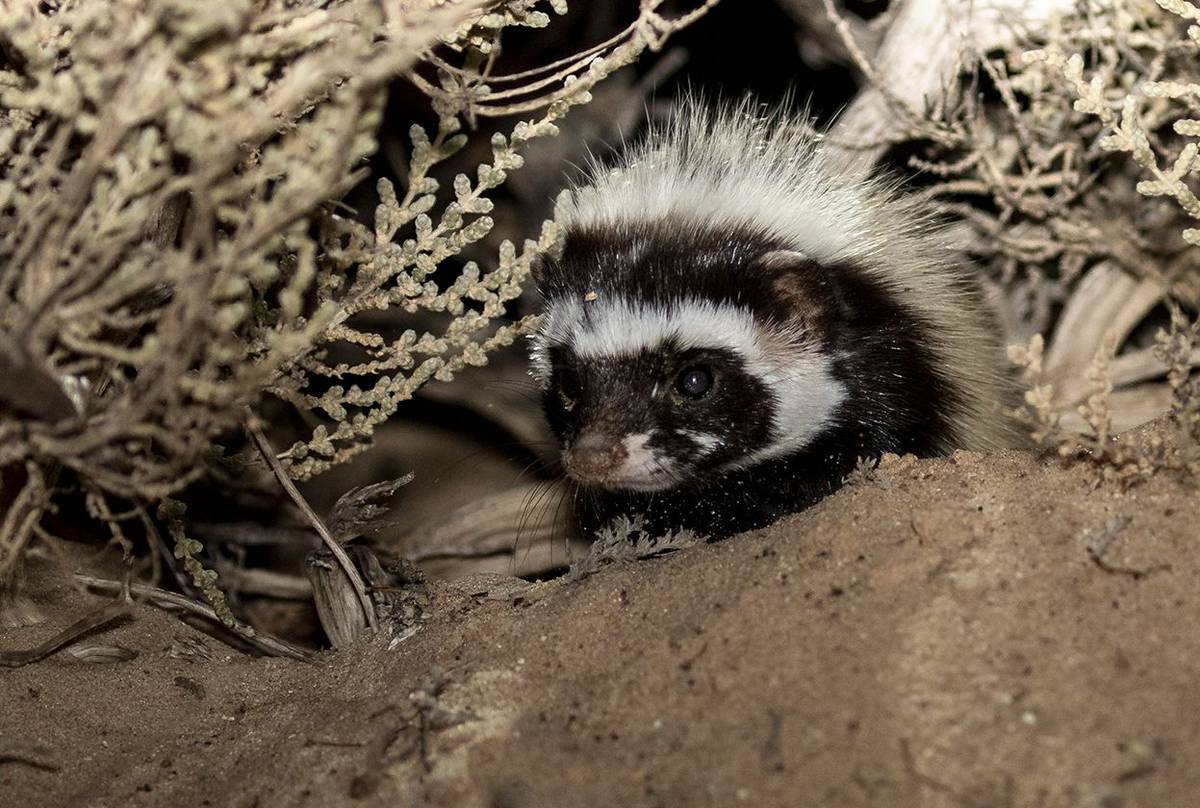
column 745, row 166
column 791, row 367
column 617, row 326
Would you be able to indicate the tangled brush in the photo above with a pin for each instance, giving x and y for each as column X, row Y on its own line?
column 170, row 253
column 1068, row 156
column 1143, row 112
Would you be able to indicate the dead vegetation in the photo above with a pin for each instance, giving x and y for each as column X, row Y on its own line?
column 187, row 299
column 1073, row 183
column 170, row 250
column 177, row 272
column 627, row 540
column 1145, row 67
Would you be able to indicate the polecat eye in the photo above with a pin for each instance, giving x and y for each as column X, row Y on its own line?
column 568, row 389
column 694, row 381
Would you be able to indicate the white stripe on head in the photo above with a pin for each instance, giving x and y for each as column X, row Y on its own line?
column 807, row 399
column 791, row 366
column 617, row 326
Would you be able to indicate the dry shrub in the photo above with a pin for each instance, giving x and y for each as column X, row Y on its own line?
column 1119, row 457
column 1030, row 149
column 626, row 540
column 1154, row 135
column 169, row 253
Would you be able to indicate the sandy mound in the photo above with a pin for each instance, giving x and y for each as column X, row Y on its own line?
column 975, row 631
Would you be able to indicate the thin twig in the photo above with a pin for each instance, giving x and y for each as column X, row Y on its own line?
column 252, row 534
column 583, row 55
column 649, row 30
column 264, row 582
column 31, row 762
column 23, row 515
column 105, row 614
column 160, row 547
column 268, row 453
column 266, row 643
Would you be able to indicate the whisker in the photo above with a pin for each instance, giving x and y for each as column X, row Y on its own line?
column 535, row 491
column 537, row 494
column 523, row 384
column 531, row 449
column 542, row 504
column 575, row 487
column 560, row 523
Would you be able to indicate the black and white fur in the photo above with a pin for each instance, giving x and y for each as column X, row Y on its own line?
column 825, row 318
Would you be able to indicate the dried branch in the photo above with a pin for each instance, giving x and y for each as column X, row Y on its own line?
column 169, row 250
column 105, row 614
column 260, row 641
column 348, row 568
column 1015, row 133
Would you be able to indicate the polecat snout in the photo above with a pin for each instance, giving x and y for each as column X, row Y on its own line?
column 731, row 325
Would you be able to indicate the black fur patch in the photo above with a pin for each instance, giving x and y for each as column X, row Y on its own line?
column 664, row 262
column 636, row 394
column 898, row 400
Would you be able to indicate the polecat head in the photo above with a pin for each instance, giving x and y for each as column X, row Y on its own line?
column 670, row 355
column 728, row 294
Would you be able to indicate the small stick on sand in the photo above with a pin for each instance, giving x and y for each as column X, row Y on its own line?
column 105, row 614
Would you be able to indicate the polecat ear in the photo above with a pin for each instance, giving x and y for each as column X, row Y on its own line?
column 799, row 281
column 783, row 261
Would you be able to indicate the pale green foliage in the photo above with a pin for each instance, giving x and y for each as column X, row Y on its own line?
column 1040, row 411
column 1127, row 133
column 390, row 266
column 481, row 33
column 1122, row 458
column 391, row 275
column 161, row 163
column 626, row 540
column 186, row 550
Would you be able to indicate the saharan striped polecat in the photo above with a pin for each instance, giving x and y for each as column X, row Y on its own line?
column 733, row 323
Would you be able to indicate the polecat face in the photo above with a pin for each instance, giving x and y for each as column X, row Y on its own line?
column 652, row 384
column 654, row 416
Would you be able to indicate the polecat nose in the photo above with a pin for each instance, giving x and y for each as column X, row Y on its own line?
column 594, row 457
